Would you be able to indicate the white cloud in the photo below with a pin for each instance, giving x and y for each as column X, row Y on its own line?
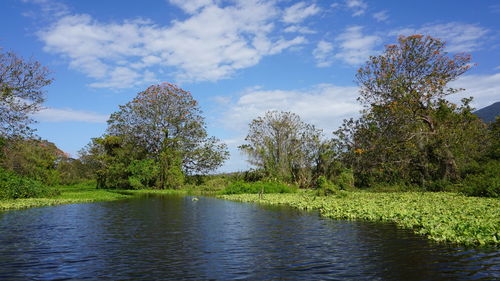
column 211, row 44
column 69, row 115
column 381, row 16
column 484, row 88
column 191, row 6
column 460, row 37
column 299, row 12
column 355, row 47
column 323, row 54
column 48, row 8
column 299, row 29
column 357, row 6
column 323, row 105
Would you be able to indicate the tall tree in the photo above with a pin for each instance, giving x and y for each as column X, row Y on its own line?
column 408, row 130
column 283, row 145
column 21, row 93
column 167, row 123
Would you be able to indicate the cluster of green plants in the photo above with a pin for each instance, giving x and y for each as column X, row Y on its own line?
column 13, row 186
column 442, row 217
column 262, row 187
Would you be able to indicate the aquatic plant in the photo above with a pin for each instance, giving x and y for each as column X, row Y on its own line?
column 442, row 217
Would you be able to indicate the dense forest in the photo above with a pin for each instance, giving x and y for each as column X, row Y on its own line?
column 409, row 137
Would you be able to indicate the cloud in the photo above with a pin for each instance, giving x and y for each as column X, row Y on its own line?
column 48, row 8
column 324, row 105
column 323, row 54
column 357, row 6
column 212, row 43
column 484, row 88
column 460, row 37
column 355, row 47
column 299, row 12
column 299, row 29
column 69, row 115
column 191, row 6
column 381, row 16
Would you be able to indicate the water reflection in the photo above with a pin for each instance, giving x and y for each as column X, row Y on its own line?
column 175, row 238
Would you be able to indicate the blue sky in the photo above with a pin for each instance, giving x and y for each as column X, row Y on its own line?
column 238, row 58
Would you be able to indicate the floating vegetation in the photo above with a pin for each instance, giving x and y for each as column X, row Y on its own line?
column 79, row 193
column 442, row 217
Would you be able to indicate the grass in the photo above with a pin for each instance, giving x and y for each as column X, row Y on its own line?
column 78, row 193
column 442, row 217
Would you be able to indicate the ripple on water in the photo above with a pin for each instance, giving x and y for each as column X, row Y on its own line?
column 172, row 237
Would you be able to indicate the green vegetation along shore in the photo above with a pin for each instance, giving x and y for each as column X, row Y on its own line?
column 442, row 217
column 78, row 193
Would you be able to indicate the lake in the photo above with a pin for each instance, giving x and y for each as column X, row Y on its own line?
column 174, row 237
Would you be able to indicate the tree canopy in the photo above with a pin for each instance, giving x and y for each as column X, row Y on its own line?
column 164, row 124
column 408, row 131
column 21, row 93
column 283, row 145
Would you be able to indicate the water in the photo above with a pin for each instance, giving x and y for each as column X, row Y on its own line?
column 175, row 238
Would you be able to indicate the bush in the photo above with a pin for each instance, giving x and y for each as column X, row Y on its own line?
column 13, row 186
column 484, row 184
column 345, row 180
column 143, row 173
column 240, row 187
column 325, row 187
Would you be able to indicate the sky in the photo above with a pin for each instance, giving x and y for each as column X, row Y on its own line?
column 238, row 58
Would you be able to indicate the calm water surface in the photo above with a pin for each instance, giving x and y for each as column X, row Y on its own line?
column 171, row 237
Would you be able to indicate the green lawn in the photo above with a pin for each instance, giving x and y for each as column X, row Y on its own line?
column 443, row 217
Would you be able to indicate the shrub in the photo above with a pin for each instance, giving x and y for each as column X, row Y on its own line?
column 13, row 186
column 345, row 180
column 326, row 187
column 484, row 184
column 143, row 173
column 240, row 187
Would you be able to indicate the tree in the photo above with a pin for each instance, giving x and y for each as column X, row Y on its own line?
column 21, row 93
column 284, row 146
column 34, row 159
column 166, row 123
column 408, row 131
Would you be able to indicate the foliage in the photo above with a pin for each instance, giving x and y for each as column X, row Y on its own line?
column 266, row 187
column 21, row 93
column 442, row 217
column 143, row 173
column 35, row 159
column 326, row 187
column 283, row 146
column 408, row 132
column 164, row 124
column 485, row 183
column 13, row 186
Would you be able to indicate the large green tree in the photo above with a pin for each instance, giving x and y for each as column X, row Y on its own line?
column 165, row 122
column 21, row 93
column 408, row 130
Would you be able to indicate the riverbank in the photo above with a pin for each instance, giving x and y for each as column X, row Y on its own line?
column 442, row 217
column 79, row 193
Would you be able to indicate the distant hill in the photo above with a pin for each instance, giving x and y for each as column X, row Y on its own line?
column 488, row 114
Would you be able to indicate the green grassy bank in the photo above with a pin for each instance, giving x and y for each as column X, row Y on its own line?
column 442, row 217
column 79, row 193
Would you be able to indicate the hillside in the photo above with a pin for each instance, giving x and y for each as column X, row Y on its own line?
column 488, row 114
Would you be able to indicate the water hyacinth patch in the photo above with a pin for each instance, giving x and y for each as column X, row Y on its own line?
column 442, row 217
